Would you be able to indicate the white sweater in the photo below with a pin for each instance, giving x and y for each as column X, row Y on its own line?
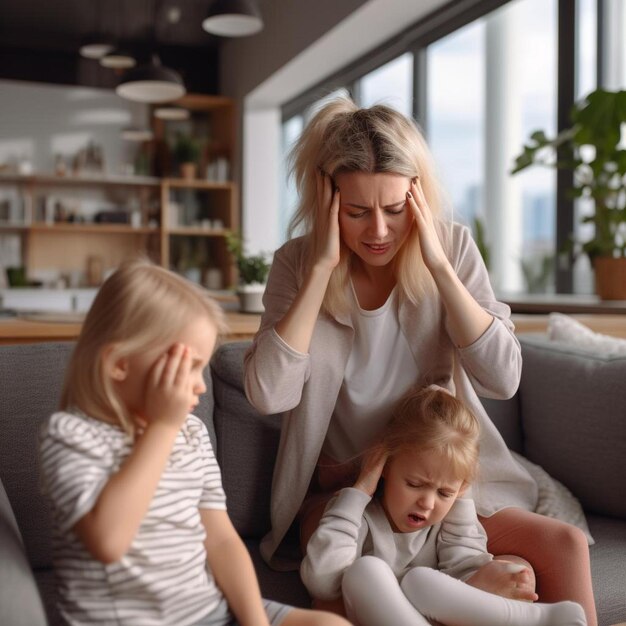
column 355, row 525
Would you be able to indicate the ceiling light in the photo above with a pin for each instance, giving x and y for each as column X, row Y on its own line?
column 95, row 46
column 137, row 134
column 171, row 113
column 151, row 83
column 233, row 18
column 118, row 58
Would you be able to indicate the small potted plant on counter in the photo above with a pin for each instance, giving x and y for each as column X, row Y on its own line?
column 253, row 271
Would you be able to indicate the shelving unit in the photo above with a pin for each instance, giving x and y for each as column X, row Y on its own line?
column 143, row 206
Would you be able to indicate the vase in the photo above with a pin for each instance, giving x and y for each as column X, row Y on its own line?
column 188, row 170
column 251, row 298
column 610, row 273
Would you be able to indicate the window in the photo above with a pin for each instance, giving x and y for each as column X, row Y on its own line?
column 490, row 80
column 390, row 84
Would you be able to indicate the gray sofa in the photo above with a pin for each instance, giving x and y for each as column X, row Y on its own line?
column 569, row 416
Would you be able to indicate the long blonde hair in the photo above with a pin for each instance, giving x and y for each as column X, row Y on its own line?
column 140, row 306
column 343, row 138
column 431, row 419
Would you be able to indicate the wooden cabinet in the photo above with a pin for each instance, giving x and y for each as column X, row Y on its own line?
column 63, row 223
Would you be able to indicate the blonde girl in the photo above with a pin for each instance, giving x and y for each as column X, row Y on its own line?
column 400, row 556
column 140, row 529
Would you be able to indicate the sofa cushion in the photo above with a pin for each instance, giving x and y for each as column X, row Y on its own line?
column 31, row 375
column 20, row 604
column 576, row 399
column 608, row 556
column 243, row 434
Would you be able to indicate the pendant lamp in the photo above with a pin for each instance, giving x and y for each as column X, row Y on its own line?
column 151, row 83
column 233, row 18
column 171, row 113
column 95, row 46
column 118, row 58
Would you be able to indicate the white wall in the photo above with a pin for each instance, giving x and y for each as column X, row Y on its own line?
column 38, row 121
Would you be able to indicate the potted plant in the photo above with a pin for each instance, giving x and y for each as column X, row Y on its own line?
column 253, row 271
column 187, row 153
column 592, row 150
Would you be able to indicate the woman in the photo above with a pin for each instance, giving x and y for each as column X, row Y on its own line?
column 382, row 293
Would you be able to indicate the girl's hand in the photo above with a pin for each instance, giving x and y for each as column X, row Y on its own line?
column 371, row 470
column 432, row 250
column 169, row 392
column 506, row 579
column 328, row 201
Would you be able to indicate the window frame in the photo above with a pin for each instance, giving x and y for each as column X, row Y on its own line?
column 442, row 22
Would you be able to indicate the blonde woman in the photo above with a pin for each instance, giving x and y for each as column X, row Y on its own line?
column 381, row 292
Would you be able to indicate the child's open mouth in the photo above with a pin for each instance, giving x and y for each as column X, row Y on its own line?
column 415, row 519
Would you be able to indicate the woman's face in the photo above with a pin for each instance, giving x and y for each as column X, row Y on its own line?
column 374, row 216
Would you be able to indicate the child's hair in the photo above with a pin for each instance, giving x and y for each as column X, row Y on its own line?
column 140, row 306
column 432, row 419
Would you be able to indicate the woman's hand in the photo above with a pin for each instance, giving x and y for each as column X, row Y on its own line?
column 169, row 388
column 432, row 250
column 328, row 201
column 371, row 470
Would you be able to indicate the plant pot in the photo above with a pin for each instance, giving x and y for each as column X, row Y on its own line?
column 251, row 298
column 188, row 171
column 610, row 277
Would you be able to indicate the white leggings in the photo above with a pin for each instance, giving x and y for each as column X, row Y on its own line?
column 373, row 597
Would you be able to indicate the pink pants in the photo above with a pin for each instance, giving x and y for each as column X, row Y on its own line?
column 557, row 551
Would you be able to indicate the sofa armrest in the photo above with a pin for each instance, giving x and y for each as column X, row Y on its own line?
column 20, row 603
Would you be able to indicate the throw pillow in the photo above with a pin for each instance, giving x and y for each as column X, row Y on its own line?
column 566, row 329
column 554, row 498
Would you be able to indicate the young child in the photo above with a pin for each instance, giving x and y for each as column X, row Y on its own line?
column 401, row 558
column 141, row 533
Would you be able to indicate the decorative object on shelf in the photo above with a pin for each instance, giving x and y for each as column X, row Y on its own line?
column 186, row 151
column 253, row 271
column 151, row 83
column 233, row 18
column 591, row 148
column 89, row 160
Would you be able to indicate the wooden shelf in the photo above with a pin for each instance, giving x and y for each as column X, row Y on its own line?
column 197, row 183
column 80, row 181
column 117, row 229
column 67, row 246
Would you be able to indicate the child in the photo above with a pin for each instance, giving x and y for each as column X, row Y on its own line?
column 141, row 534
column 401, row 558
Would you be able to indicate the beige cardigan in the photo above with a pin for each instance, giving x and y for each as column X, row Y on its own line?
column 304, row 387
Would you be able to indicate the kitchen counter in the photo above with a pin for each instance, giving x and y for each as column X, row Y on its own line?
column 66, row 326
column 42, row 327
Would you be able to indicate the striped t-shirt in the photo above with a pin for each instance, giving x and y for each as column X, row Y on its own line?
column 163, row 578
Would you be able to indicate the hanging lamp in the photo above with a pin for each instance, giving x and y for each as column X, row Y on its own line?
column 95, row 46
column 151, row 83
column 171, row 113
column 118, row 58
column 233, row 18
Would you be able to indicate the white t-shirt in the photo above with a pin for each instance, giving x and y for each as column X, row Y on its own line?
column 163, row 578
column 380, row 370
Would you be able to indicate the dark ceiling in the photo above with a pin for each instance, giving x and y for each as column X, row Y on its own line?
column 39, row 39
